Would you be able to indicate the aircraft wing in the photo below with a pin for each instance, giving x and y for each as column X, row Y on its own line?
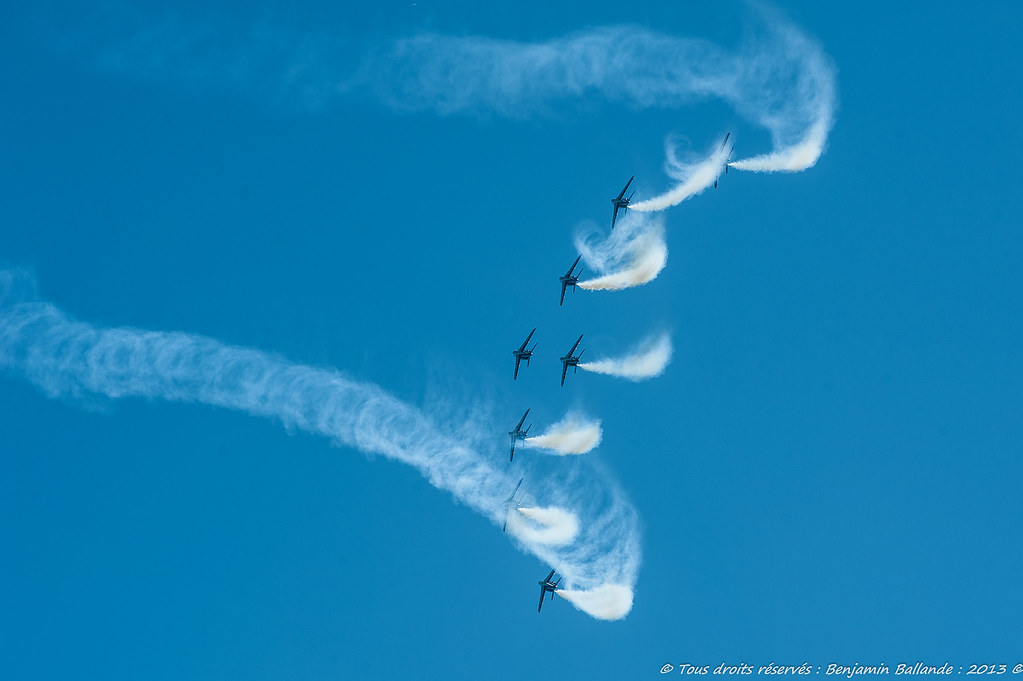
column 564, row 372
column 518, row 359
column 569, row 272
column 572, row 351
column 625, row 188
column 512, row 497
column 563, row 287
column 614, row 217
column 526, row 342
column 523, row 420
column 543, row 592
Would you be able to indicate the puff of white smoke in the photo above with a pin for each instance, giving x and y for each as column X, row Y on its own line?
column 632, row 255
column 574, row 434
column 607, row 602
column 550, row 526
column 648, row 360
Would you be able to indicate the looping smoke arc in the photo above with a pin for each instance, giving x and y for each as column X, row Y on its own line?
column 574, row 434
column 585, row 526
column 633, row 254
column 551, row 526
column 779, row 79
column 693, row 177
column 648, row 360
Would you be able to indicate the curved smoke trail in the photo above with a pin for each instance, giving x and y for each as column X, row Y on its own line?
column 574, row 434
column 550, row 526
column 692, row 177
column 779, row 78
column 66, row 358
column 632, row 255
column 647, row 361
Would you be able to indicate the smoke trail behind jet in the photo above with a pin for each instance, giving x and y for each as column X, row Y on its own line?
column 574, row 434
column 608, row 602
column 647, row 361
column 551, row 526
column 779, row 78
column 693, row 178
column 790, row 159
column 633, row 254
column 76, row 361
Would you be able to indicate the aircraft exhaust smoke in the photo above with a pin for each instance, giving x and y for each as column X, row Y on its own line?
column 606, row 602
column 574, row 434
column 779, row 78
column 578, row 519
column 550, row 526
column 648, row 360
column 790, row 159
column 693, row 178
column 633, row 254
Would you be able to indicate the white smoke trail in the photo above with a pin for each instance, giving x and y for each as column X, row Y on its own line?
column 633, row 254
column 779, row 78
column 574, row 434
column 791, row 159
column 608, row 602
column 647, row 361
column 550, row 526
column 693, row 178
column 73, row 360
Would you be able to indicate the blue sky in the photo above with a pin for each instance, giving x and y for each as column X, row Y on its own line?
column 828, row 470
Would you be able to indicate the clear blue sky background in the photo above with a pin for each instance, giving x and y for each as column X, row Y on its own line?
column 831, row 469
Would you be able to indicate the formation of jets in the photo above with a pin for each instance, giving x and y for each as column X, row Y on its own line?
column 620, row 205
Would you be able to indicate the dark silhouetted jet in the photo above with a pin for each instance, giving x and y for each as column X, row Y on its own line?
column 621, row 202
column 571, row 360
column 727, row 159
column 523, row 354
column 518, row 434
column 510, row 503
column 569, row 280
column 547, row 585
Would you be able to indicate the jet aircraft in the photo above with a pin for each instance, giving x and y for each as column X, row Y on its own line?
column 621, row 202
column 518, row 434
column 547, row 585
column 509, row 504
column 569, row 280
column 727, row 159
column 523, row 354
column 571, row 360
